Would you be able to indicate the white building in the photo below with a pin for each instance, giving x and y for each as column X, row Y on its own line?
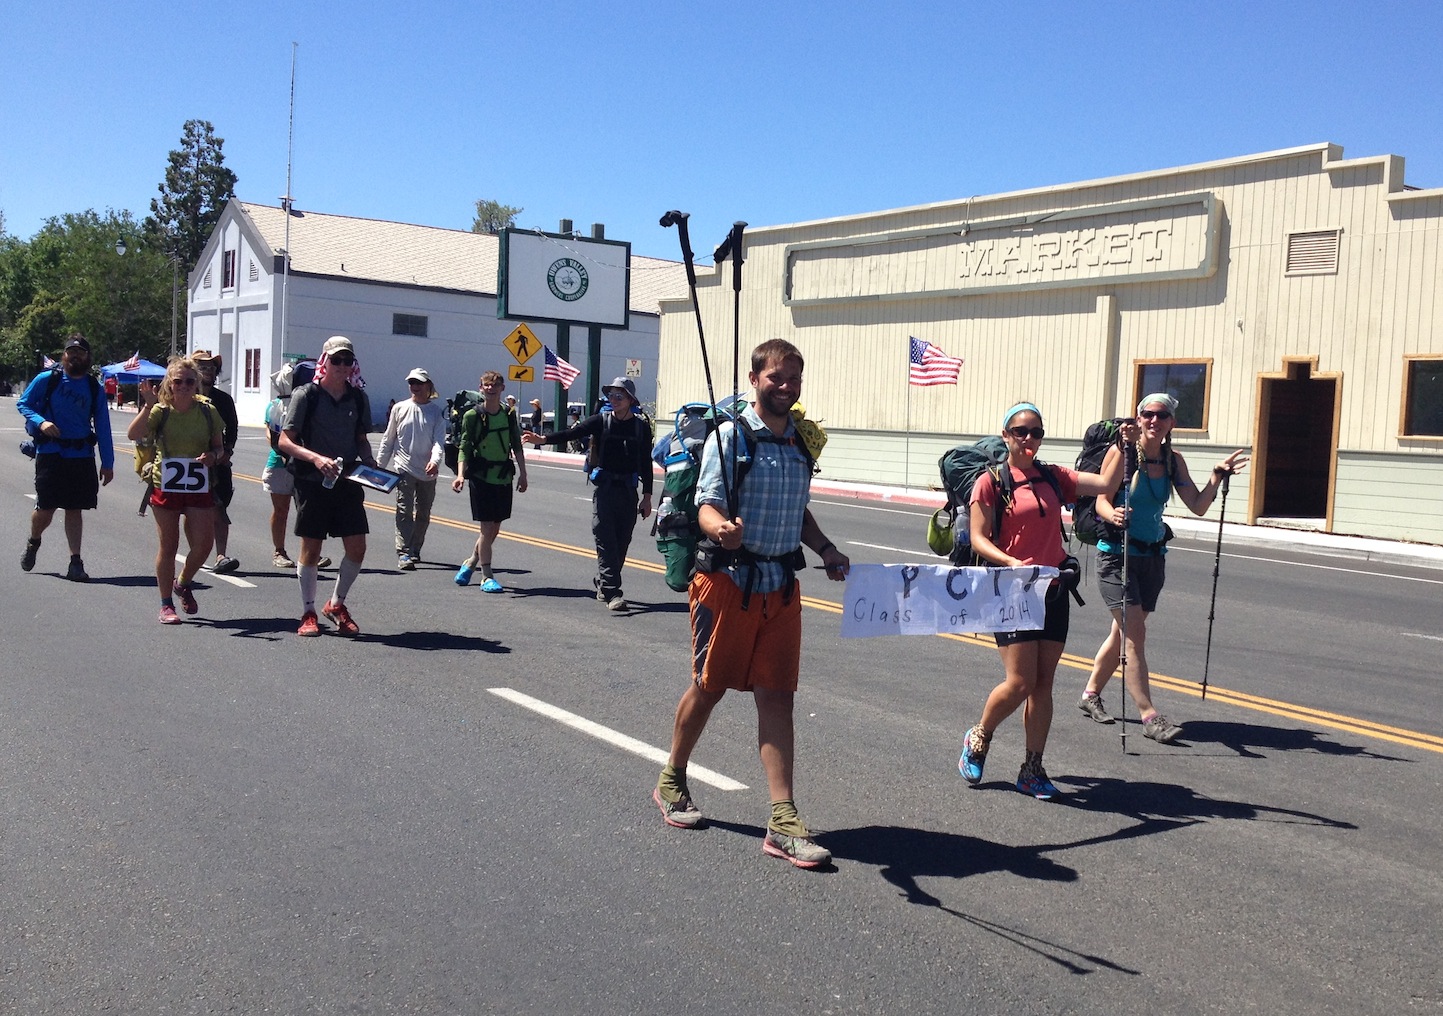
column 1292, row 299
column 407, row 296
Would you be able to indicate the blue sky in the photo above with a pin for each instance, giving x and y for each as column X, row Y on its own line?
column 767, row 112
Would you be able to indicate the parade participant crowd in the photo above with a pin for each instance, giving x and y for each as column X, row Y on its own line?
column 745, row 600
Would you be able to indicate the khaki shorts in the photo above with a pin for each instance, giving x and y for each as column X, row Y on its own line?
column 278, row 480
column 741, row 650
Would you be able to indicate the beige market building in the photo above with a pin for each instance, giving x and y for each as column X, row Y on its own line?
column 1293, row 300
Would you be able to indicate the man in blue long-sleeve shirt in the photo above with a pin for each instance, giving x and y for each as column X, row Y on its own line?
column 67, row 415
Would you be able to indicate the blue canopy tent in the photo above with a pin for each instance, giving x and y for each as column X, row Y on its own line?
column 147, row 371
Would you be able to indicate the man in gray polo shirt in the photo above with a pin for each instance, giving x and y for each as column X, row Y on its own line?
column 325, row 434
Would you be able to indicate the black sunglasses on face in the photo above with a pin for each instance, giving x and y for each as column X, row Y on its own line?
column 184, row 382
column 1023, row 433
column 1161, row 414
column 343, row 361
column 415, row 384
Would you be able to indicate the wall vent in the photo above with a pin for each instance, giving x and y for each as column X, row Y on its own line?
column 1313, row 253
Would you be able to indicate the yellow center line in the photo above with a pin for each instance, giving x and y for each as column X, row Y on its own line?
column 1225, row 696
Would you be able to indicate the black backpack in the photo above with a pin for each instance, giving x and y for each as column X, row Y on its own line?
column 53, row 382
column 1086, row 525
column 456, row 409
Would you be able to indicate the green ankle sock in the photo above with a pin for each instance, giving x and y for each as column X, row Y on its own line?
column 785, row 819
column 671, row 784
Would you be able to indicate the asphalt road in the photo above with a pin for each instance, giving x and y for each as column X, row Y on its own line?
column 220, row 817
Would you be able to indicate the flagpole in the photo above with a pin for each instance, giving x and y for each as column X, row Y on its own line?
column 907, row 433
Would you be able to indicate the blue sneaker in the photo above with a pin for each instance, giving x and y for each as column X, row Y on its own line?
column 974, row 755
column 491, row 586
column 463, row 575
column 1036, row 783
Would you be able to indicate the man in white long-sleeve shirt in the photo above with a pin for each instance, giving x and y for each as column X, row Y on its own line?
column 413, row 445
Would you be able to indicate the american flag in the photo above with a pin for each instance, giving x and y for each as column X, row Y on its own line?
column 558, row 369
column 928, row 365
column 133, row 363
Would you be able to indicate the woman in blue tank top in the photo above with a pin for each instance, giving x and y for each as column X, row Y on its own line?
column 1160, row 471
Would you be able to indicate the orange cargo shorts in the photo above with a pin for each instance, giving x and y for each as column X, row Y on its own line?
column 741, row 650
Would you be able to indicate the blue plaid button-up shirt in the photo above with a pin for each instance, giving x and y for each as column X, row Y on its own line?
column 774, row 496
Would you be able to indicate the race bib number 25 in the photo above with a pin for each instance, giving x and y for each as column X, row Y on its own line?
column 184, row 476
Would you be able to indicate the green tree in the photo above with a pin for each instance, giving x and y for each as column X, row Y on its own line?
column 70, row 277
column 196, row 188
column 492, row 217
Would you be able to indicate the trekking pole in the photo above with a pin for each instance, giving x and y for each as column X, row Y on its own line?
column 732, row 246
column 1217, row 561
column 1129, row 466
column 678, row 219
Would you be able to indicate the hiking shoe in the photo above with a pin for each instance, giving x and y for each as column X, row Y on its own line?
column 225, row 565
column 310, row 624
column 617, row 603
column 463, row 575
column 324, row 562
column 1161, row 729
column 404, row 562
column 76, row 572
column 168, row 614
column 1092, row 706
column 338, row 613
column 682, row 813
column 281, row 561
column 974, row 755
column 800, row 850
column 491, row 586
column 187, row 598
column 27, row 559
column 1034, row 781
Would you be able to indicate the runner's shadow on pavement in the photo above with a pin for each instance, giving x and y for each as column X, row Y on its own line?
column 903, row 855
column 1247, row 739
column 1171, row 803
column 118, row 581
column 276, row 629
column 521, row 592
column 671, row 607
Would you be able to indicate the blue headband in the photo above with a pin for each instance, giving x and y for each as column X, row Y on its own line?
column 1021, row 407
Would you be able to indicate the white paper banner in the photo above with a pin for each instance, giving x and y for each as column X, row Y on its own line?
column 930, row 599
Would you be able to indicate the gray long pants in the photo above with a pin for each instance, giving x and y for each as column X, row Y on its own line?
column 613, row 517
column 414, row 498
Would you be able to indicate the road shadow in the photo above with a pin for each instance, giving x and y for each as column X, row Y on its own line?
column 1170, row 802
column 903, row 855
column 555, row 592
column 1247, row 739
column 671, row 607
column 277, row 628
column 117, row 581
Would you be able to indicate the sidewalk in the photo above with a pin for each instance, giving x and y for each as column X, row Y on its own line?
column 1191, row 530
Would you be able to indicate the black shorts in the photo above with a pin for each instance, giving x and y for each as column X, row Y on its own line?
column 1054, row 627
column 340, row 511
column 222, row 484
column 1145, row 576
column 490, row 502
column 68, row 483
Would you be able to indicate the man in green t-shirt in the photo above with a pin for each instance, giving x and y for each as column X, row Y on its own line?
column 489, row 455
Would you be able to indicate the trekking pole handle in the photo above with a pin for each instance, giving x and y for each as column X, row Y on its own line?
column 678, row 219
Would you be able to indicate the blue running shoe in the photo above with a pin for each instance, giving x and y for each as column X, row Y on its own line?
column 1036, row 783
column 491, row 586
column 463, row 575
column 974, row 755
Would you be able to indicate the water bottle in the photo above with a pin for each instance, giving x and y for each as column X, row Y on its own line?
column 330, row 481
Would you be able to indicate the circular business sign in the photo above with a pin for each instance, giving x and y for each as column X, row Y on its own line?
column 567, row 279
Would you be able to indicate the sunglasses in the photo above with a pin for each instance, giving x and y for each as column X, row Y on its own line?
column 1023, row 433
column 183, row 382
column 1159, row 414
column 343, row 361
column 415, row 384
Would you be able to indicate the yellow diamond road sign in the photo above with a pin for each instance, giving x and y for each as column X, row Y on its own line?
column 516, row 372
column 522, row 343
